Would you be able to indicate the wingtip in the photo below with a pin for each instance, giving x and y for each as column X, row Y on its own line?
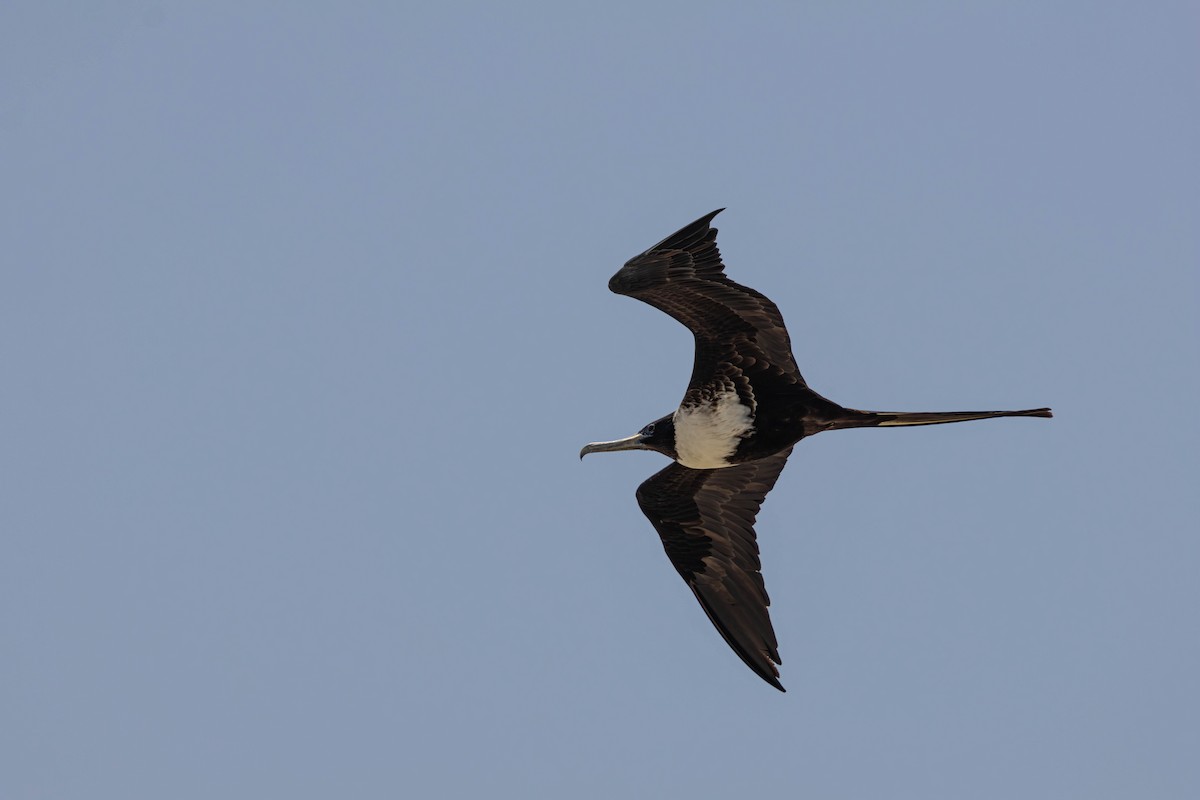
column 690, row 235
column 771, row 677
column 707, row 219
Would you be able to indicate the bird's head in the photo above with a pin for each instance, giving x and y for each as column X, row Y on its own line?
column 658, row 436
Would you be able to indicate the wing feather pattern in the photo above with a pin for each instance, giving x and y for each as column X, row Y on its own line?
column 706, row 521
column 683, row 276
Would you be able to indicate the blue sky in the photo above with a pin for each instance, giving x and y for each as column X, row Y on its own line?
column 303, row 320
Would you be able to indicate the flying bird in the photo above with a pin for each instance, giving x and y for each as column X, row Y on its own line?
column 745, row 408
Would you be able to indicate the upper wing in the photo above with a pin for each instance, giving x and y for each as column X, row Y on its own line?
column 706, row 520
column 683, row 276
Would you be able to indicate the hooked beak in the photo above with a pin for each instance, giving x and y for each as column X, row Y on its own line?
column 628, row 443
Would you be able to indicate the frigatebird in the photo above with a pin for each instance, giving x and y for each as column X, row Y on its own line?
column 745, row 408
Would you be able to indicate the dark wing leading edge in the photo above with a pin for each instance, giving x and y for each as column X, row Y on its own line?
column 683, row 276
column 706, row 520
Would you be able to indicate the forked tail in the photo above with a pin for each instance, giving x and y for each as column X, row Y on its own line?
column 891, row 419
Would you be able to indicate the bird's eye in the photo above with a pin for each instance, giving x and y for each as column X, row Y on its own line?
column 648, row 430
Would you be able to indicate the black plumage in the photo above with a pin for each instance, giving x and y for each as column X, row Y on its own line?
column 745, row 407
column 706, row 520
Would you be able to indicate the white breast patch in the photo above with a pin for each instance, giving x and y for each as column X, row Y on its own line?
column 708, row 434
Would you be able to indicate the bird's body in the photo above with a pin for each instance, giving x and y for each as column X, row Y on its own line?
column 745, row 408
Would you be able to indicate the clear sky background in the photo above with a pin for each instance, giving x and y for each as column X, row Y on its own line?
column 304, row 319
